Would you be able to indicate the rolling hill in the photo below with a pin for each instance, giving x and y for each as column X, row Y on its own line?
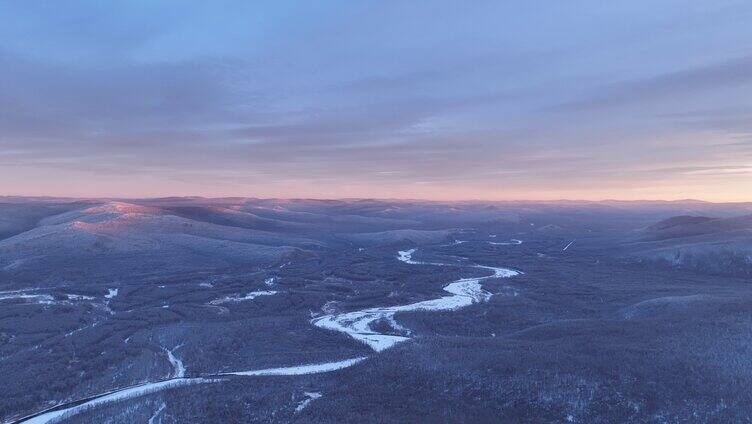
column 706, row 244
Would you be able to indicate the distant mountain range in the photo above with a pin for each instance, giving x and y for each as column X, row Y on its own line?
column 63, row 239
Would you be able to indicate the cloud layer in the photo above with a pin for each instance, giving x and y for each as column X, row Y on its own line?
column 399, row 99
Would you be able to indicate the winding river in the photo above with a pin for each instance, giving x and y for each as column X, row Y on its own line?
column 356, row 324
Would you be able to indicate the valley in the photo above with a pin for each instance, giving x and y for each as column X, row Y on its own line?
column 478, row 311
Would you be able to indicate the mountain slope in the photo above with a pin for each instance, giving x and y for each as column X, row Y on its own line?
column 132, row 238
column 714, row 245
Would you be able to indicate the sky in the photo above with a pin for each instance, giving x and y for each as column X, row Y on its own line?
column 498, row 100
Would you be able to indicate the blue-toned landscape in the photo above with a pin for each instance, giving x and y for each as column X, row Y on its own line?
column 428, row 211
column 251, row 310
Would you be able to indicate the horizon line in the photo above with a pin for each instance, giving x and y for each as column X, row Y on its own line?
column 390, row 199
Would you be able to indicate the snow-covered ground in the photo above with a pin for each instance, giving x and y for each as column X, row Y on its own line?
column 149, row 388
column 455, row 242
column 302, row 369
column 30, row 297
column 249, row 296
column 310, row 396
column 111, row 293
column 406, row 256
column 511, row 242
column 78, row 297
column 357, row 324
column 40, row 298
column 177, row 364
column 116, row 396
column 157, row 413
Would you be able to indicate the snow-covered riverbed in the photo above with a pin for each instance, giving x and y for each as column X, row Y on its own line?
column 302, row 369
column 118, row 395
column 357, row 324
column 179, row 381
column 177, row 364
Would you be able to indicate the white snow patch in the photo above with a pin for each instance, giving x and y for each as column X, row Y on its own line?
column 116, row 396
column 111, row 293
column 329, row 307
column 78, row 297
column 156, row 413
column 310, row 396
column 18, row 291
column 397, row 327
column 455, row 242
column 511, row 242
column 78, row 330
column 406, row 256
column 177, row 364
column 303, row 369
column 39, row 298
column 206, row 285
column 249, row 296
column 270, row 281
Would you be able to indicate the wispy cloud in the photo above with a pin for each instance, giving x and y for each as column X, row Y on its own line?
column 486, row 100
